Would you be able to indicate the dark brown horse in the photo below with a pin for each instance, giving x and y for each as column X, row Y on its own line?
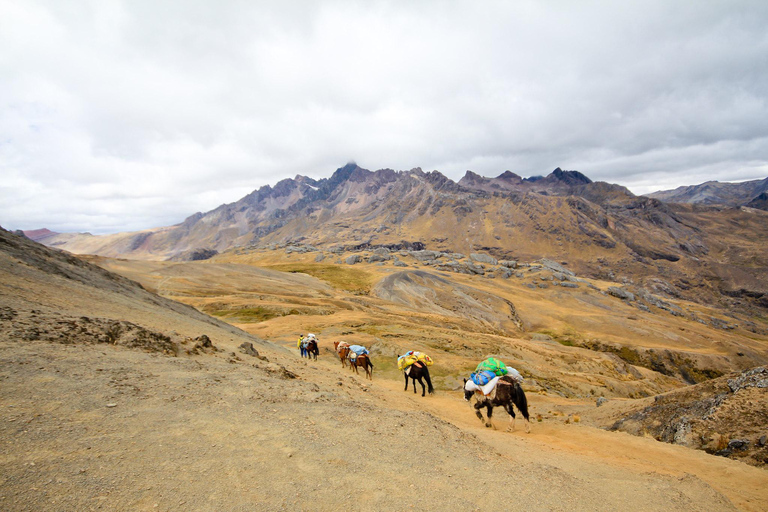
column 312, row 350
column 418, row 371
column 362, row 361
column 342, row 350
column 507, row 393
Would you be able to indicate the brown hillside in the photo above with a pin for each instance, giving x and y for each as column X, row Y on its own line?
column 94, row 419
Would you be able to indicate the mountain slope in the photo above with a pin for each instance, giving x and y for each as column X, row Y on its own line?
column 714, row 192
column 601, row 230
column 90, row 423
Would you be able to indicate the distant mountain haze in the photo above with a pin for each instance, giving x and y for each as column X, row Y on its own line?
column 713, row 192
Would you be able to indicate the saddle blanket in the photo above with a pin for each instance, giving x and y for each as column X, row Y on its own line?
column 487, row 390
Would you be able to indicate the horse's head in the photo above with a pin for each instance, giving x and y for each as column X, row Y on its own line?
column 467, row 393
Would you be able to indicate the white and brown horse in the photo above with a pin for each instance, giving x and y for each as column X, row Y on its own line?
column 507, row 393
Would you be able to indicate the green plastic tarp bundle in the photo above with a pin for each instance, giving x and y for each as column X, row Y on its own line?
column 494, row 365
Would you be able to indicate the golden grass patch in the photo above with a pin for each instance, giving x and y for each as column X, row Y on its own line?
column 348, row 279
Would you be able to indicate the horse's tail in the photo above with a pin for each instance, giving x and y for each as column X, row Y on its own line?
column 429, row 381
column 521, row 401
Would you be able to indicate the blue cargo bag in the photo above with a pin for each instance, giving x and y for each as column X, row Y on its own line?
column 482, row 378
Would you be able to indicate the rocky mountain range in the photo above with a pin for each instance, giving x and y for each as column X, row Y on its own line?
column 599, row 229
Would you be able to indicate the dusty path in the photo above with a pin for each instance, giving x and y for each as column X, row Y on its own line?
column 581, row 450
column 89, row 427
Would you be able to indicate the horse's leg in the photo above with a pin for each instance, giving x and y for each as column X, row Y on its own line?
column 490, row 414
column 478, row 406
column 511, row 411
column 406, row 381
column 423, row 387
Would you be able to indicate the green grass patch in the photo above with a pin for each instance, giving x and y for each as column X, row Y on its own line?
column 249, row 315
column 568, row 338
column 348, row 279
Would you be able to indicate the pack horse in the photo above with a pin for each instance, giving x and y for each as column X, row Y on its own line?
column 414, row 366
column 507, row 393
column 418, row 371
column 342, row 350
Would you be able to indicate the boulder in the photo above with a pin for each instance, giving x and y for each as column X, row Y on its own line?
column 476, row 269
column 621, row 293
column 483, row 258
column 375, row 257
column 426, row 255
column 555, row 267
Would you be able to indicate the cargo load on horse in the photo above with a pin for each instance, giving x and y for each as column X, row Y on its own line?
column 487, row 374
column 355, row 351
column 406, row 360
column 358, row 356
column 493, row 365
column 414, row 365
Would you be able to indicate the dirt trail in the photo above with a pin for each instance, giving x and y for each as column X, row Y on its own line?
column 88, row 428
column 578, row 449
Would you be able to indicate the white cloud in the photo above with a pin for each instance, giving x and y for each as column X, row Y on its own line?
column 127, row 115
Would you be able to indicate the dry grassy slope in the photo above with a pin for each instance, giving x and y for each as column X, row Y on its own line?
column 634, row 241
column 427, row 314
column 88, row 425
column 31, row 270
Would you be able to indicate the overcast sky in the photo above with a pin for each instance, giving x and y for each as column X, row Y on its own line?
column 119, row 116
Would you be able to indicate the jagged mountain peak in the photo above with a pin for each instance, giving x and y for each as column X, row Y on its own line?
column 509, row 176
column 469, row 175
column 570, row 177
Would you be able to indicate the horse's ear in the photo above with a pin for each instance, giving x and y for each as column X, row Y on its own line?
column 465, row 381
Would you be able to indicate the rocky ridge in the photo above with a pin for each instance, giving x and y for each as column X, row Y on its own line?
column 603, row 230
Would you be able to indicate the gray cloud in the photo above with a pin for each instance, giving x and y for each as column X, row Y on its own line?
column 128, row 115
